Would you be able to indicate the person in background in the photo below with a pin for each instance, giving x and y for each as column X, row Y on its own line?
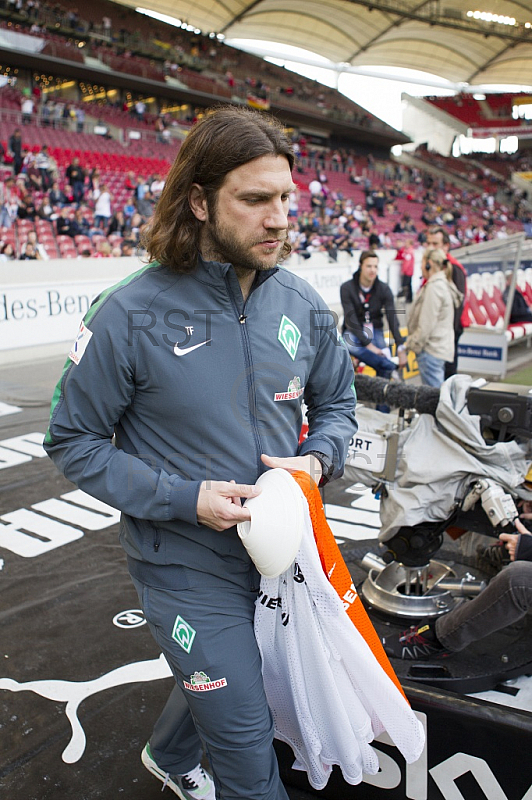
column 14, row 147
column 38, row 248
column 63, row 224
column 437, row 238
column 521, row 311
column 7, row 251
column 431, row 319
column 505, row 600
column 365, row 300
column 28, row 254
column 406, row 256
column 102, row 207
column 75, row 176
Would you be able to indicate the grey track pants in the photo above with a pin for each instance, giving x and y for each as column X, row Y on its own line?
column 206, row 632
column 506, row 599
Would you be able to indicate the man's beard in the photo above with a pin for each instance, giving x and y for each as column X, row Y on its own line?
column 219, row 244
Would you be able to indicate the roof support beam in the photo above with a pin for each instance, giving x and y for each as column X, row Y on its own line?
column 394, row 24
column 241, row 16
column 400, row 10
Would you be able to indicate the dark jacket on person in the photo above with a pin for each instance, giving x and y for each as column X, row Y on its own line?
column 520, row 309
column 275, row 348
column 379, row 301
column 460, row 281
column 523, row 551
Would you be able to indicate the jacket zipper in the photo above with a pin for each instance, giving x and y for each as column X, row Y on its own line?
column 249, row 364
column 156, row 540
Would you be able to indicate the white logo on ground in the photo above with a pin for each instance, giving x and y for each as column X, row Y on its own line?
column 6, row 408
column 74, row 692
column 80, row 345
column 133, row 618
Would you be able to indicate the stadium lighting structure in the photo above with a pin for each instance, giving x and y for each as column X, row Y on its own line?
column 487, row 16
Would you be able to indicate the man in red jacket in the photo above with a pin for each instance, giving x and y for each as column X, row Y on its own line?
column 438, row 237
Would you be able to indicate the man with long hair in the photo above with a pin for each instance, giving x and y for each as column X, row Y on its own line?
column 198, row 365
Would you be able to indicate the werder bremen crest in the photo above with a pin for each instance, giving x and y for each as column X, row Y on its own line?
column 183, row 633
column 289, row 336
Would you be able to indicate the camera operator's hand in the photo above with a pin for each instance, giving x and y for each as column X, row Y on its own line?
column 511, row 540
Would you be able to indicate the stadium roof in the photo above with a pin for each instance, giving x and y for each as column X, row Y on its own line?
column 435, row 36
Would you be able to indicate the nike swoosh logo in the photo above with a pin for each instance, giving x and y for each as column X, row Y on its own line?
column 182, row 351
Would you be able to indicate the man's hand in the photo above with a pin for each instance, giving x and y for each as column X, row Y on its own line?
column 511, row 539
column 219, row 505
column 308, row 464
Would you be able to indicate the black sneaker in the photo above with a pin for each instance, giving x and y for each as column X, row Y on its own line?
column 493, row 558
column 415, row 644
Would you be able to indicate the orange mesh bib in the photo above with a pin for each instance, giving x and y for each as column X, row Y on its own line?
column 338, row 574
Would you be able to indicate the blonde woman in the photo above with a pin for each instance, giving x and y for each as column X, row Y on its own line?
column 430, row 324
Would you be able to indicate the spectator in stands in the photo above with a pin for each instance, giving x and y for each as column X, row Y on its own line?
column 2, row 152
column 437, row 238
column 118, row 223
column 364, row 300
column 141, row 187
column 39, row 249
column 103, row 249
column 26, row 108
column 28, row 254
column 45, row 210
column 430, row 323
column 317, row 196
column 14, row 147
column 75, row 175
column 146, row 205
column 56, row 196
column 47, row 112
column 26, row 207
column 406, row 255
column 140, row 108
column 7, row 251
column 94, row 180
column 129, row 209
column 128, row 249
column 134, row 226
column 156, row 186
column 63, row 225
column 131, row 181
column 44, row 167
column 80, row 119
column 102, row 207
column 521, row 311
column 9, row 202
column 79, row 226
column 57, row 120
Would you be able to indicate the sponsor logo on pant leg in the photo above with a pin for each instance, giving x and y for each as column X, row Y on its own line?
column 200, row 682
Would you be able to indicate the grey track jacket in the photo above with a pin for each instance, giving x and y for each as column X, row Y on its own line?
column 195, row 385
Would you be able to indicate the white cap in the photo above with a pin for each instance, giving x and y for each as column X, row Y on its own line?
column 273, row 536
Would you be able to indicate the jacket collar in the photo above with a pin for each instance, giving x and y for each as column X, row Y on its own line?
column 218, row 272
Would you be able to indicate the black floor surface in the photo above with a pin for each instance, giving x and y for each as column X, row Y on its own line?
column 81, row 681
